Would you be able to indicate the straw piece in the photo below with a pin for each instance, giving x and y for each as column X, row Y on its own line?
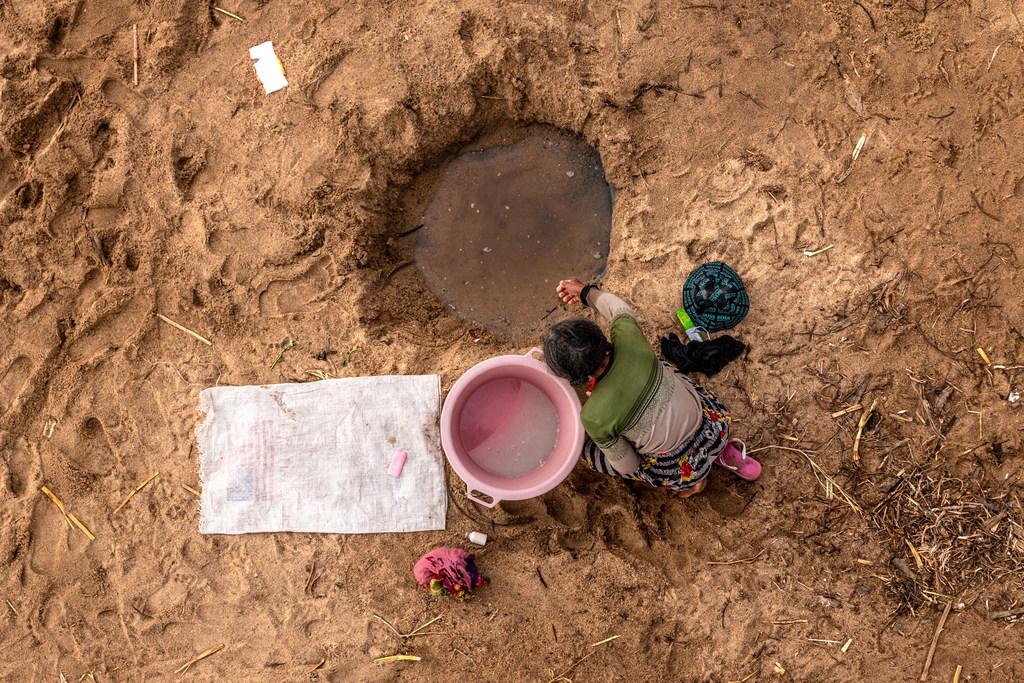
column 606, row 640
column 562, row 676
column 230, row 14
column 864, row 417
column 935, row 641
column 397, row 658
column 11, row 605
column 199, row 657
column 815, row 252
column 846, row 646
column 956, row 674
column 415, row 632
column 846, row 411
column 745, row 678
column 860, row 145
column 135, row 55
column 917, row 555
column 318, row 665
column 137, row 489
column 748, row 560
column 191, row 490
column 984, row 356
column 184, row 329
column 823, row 477
column 67, row 515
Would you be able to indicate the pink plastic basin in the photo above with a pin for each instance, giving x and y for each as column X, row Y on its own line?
column 559, row 462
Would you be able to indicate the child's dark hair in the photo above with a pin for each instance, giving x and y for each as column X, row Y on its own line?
column 574, row 349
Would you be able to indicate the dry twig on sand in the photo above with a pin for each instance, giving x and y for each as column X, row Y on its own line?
column 935, row 641
column 199, row 657
column 72, row 520
column 184, row 329
column 563, row 676
column 136, row 490
column 955, row 531
column 748, row 560
column 824, row 478
column 135, row 55
column 865, row 416
column 418, row 631
column 228, row 14
column 397, row 658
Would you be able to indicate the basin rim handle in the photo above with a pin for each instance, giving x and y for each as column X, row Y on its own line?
column 469, row 494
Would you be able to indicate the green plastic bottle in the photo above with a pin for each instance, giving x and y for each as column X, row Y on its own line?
column 694, row 332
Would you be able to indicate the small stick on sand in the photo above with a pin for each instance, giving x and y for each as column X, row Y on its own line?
column 561, row 676
column 1007, row 614
column 11, row 605
column 415, row 632
column 956, row 674
column 745, row 678
column 184, row 329
column 318, row 665
column 199, row 657
column 824, row 479
column 815, row 252
column 860, row 145
column 135, row 55
column 69, row 516
column 606, row 640
column 846, row 646
column 864, row 417
column 787, row 622
column 137, row 489
column 230, row 14
column 746, row 561
column 846, row 411
column 984, row 356
column 935, row 641
column 397, row 658
column 191, row 490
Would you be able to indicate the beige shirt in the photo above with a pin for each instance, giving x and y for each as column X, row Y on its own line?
column 674, row 414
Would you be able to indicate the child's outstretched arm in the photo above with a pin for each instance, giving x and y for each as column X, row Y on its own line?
column 607, row 304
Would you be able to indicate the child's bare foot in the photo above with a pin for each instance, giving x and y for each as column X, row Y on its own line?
column 686, row 493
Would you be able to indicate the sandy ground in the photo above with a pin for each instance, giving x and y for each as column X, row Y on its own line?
column 728, row 131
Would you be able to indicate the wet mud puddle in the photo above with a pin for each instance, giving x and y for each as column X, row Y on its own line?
column 506, row 222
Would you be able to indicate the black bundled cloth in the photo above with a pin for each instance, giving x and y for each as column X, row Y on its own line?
column 708, row 357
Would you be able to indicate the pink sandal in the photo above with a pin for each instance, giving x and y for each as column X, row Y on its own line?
column 738, row 462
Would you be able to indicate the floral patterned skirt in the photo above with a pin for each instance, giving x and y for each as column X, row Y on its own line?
column 685, row 467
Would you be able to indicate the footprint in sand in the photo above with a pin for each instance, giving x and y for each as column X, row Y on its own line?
column 12, row 382
column 171, row 595
column 85, row 443
column 50, row 535
column 565, row 508
column 22, row 469
column 283, row 297
column 725, row 499
column 111, row 331
column 133, row 105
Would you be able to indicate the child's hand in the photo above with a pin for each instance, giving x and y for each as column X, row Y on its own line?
column 569, row 290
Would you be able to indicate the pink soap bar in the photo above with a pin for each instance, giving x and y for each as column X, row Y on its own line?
column 397, row 463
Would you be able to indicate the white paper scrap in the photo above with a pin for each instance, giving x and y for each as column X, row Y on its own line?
column 268, row 67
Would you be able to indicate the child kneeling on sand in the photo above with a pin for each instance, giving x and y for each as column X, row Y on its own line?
column 644, row 419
